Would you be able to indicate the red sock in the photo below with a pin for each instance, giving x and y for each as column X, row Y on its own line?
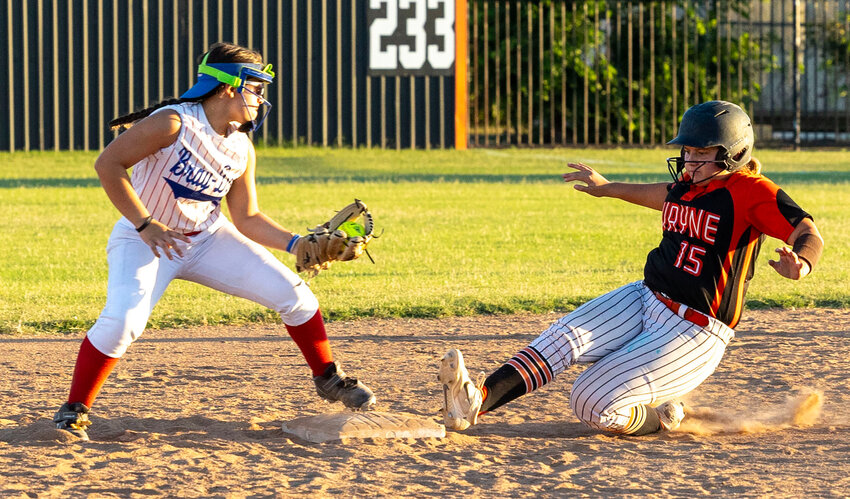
column 312, row 339
column 90, row 373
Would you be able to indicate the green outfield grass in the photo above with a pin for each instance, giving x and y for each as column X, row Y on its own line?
column 465, row 232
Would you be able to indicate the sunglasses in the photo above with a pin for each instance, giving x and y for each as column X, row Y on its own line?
column 258, row 91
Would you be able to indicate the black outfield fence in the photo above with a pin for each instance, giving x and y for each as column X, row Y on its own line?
column 72, row 65
column 543, row 73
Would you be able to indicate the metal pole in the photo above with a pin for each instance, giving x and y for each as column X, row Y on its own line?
column 795, row 68
column 26, row 76
column 354, row 95
column 324, row 70
column 295, row 73
column 339, row 77
column 11, row 72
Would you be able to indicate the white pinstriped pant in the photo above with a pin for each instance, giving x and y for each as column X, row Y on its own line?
column 642, row 353
column 219, row 257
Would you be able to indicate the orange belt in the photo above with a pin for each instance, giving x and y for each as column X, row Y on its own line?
column 684, row 311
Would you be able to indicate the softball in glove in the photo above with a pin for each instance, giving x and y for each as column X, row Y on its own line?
column 342, row 238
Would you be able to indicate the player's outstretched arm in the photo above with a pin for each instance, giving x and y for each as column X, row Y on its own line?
column 593, row 183
column 807, row 245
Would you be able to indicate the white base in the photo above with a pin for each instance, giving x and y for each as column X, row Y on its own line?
column 373, row 424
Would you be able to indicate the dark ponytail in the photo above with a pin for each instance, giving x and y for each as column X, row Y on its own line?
column 128, row 120
column 219, row 52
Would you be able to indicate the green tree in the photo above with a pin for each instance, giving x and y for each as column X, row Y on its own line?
column 604, row 71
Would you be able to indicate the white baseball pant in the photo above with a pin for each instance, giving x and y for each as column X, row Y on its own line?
column 642, row 354
column 219, row 257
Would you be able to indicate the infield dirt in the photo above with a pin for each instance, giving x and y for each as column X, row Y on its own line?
column 197, row 413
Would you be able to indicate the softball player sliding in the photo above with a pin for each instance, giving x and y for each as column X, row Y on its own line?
column 655, row 340
column 187, row 155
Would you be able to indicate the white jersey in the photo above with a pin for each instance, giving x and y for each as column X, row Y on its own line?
column 182, row 185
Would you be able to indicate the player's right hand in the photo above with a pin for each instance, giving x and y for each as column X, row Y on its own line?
column 158, row 236
column 591, row 178
column 789, row 264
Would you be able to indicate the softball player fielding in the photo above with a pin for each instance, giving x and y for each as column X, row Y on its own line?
column 187, row 155
column 652, row 341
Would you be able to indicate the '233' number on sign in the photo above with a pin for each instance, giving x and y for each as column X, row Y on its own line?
column 403, row 41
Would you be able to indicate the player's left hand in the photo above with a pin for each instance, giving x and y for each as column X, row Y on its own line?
column 789, row 264
column 331, row 242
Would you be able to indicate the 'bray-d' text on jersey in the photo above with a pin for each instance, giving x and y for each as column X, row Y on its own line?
column 182, row 185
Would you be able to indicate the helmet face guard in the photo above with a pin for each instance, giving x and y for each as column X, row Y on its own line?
column 236, row 75
column 715, row 124
column 262, row 110
column 676, row 164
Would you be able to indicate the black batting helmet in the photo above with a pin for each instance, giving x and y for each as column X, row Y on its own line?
column 718, row 123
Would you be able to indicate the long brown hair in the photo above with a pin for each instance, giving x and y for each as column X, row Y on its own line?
column 218, row 52
column 754, row 166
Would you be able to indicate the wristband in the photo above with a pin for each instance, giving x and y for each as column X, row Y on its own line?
column 808, row 247
column 144, row 224
column 291, row 244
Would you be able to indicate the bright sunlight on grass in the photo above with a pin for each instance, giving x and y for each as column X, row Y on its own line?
column 465, row 232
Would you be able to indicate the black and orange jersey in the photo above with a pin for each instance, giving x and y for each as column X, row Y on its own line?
column 711, row 237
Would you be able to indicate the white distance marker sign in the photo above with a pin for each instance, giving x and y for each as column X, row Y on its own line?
column 411, row 37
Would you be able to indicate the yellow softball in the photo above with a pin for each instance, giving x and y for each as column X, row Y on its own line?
column 353, row 229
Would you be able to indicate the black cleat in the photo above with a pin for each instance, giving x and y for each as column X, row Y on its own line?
column 73, row 418
column 334, row 386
